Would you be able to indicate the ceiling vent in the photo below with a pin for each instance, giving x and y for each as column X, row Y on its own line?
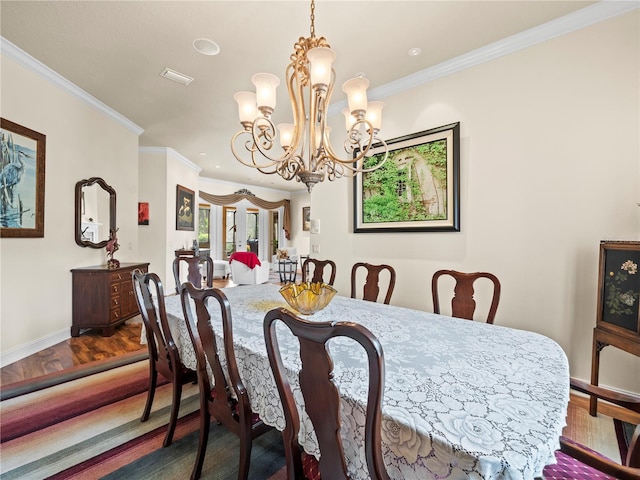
column 176, row 76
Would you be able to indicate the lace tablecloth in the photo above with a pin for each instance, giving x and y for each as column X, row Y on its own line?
column 462, row 399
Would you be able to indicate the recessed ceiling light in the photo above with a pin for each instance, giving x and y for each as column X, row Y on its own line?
column 176, row 76
column 414, row 52
column 206, row 46
column 217, row 166
column 203, row 154
column 361, row 74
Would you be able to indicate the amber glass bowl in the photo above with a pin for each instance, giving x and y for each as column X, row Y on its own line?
column 308, row 298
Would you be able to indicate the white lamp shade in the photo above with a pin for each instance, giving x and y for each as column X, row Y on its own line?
column 320, row 60
column 374, row 114
column 349, row 119
column 356, row 90
column 266, row 84
column 286, row 134
column 246, row 106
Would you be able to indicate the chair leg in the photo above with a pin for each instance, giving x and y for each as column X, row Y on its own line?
column 175, row 409
column 153, row 379
column 245, row 454
column 205, row 421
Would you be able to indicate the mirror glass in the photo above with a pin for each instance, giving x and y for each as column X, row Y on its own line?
column 95, row 212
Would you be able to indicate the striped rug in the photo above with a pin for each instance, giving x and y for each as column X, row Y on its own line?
column 90, row 428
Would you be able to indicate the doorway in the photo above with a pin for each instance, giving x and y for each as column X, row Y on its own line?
column 240, row 229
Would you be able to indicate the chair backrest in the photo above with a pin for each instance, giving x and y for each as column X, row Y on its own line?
column 318, row 270
column 193, row 270
column 629, row 467
column 226, row 378
column 462, row 304
column 371, row 287
column 321, row 395
column 162, row 349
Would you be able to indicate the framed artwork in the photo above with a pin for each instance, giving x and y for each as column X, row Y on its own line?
column 143, row 213
column 416, row 190
column 619, row 286
column 306, row 218
column 22, row 164
column 184, row 208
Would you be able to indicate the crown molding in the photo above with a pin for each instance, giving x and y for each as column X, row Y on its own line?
column 244, row 185
column 170, row 152
column 27, row 61
column 582, row 18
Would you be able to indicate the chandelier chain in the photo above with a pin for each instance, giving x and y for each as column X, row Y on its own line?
column 313, row 18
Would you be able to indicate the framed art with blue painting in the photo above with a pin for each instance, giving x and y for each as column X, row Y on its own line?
column 21, row 181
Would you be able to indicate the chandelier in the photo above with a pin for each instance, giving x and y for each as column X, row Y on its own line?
column 307, row 154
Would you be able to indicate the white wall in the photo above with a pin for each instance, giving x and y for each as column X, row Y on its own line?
column 299, row 238
column 550, row 165
column 153, row 237
column 35, row 272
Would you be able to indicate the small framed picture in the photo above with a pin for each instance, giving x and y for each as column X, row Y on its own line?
column 143, row 213
column 306, row 218
column 184, row 208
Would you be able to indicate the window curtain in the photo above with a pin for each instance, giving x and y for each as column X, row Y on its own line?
column 223, row 200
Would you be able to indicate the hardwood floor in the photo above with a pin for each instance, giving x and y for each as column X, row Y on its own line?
column 595, row 432
column 88, row 347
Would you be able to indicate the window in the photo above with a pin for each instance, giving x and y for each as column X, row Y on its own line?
column 204, row 217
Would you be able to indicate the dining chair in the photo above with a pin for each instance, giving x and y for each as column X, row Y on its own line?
column 371, row 287
column 462, row 304
column 318, row 270
column 164, row 357
column 193, row 270
column 322, row 398
column 227, row 401
column 578, row 462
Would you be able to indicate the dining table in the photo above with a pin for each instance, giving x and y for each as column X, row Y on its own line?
column 462, row 399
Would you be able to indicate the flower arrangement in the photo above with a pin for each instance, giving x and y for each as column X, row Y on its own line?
column 111, row 247
column 620, row 300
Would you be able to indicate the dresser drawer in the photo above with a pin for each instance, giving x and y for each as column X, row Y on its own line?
column 116, row 302
column 116, row 315
column 116, row 288
column 119, row 276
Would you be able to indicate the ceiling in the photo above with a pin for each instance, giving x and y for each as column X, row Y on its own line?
column 115, row 51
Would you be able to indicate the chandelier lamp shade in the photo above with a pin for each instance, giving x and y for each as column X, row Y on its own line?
column 302, row 149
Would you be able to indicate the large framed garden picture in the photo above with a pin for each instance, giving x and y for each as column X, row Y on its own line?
column 416, row 190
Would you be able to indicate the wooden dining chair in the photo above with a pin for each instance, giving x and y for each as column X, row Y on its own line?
column 164, row 357
column 578, row 462
column 318, row 270
column 462, row 304
column 227, row 401
column 193, row 270
column 371, row 287
column 322, row 398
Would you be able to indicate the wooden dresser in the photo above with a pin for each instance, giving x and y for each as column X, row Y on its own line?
column 103, row 298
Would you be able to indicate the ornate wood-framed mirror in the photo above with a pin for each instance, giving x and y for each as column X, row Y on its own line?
column 95, row 212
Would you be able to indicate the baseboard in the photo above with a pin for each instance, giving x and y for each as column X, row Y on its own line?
column 35, row 346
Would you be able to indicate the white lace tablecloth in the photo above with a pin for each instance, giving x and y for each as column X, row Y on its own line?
column 462, row 399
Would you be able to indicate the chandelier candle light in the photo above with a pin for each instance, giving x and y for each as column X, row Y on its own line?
column 310, row 76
